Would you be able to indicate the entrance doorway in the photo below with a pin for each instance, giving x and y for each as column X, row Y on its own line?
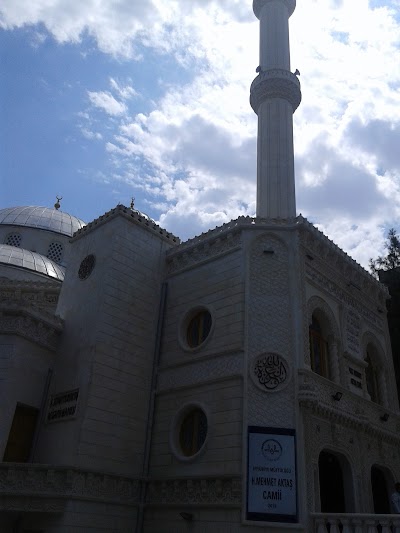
column 380, row 491
column 21, row 434
column 335, row 483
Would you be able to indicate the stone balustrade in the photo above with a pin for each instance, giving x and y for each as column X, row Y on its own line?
column 355, row 523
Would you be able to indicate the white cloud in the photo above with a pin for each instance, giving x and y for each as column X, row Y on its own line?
column 88, row 134
column 126, row 92
column 106, row 101
column 192, row 153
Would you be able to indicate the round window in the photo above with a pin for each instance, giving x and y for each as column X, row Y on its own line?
column 86, row 267
column 192, row 432
column 198, row 328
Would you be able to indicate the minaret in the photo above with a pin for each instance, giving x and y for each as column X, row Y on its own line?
column 274, row 96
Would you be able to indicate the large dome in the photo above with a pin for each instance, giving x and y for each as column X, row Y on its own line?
column 41, row 217
column 18, row 257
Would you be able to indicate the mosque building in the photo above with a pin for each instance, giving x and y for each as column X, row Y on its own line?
column 240, row 381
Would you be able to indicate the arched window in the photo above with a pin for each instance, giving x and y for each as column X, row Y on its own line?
column 371, row 377
column 318, row 349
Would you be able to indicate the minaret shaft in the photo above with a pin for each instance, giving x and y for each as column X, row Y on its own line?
column 274, row 36
column 275, row 162
column 275, row 95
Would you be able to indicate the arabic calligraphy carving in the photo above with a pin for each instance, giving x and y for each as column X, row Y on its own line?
column 270, row 372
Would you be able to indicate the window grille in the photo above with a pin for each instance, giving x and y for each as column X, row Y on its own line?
column 13, row 239
column 55, row 251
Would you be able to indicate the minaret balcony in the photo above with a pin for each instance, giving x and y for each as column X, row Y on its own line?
column 275, row 83
column 259, row 4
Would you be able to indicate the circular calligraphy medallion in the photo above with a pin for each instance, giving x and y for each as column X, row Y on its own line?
column 270, row 372
column 271, row 449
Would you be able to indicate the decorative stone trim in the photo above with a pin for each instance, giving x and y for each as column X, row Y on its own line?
column 315, row 394
column 311, row 238
column 233, row 226
column 202, row 253
column 320, row 246
column 131, row 214
column 343, row 296
column 43, row 487
column 31, row 504
column 41, row 294
column 32, row 324
column 204, row 491
column 221, row 240
column 275, row 83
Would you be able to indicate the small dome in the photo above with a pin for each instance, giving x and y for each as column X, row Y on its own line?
column 18, row 257
column 41, row 217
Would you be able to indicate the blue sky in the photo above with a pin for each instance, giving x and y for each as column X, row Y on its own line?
column 51, row 139
column 104, row 100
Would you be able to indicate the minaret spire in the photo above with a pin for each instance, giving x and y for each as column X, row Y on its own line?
column 275, row 95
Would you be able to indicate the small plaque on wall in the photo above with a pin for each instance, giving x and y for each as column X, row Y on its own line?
column 62, row 406
column 271, row 475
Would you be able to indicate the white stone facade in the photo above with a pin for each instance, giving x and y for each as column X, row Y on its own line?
column 140, row 377
column 115, row 464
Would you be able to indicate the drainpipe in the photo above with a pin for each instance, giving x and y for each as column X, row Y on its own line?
column 149, row 429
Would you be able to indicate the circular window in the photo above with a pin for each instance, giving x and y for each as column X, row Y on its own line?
column 193, row 432
column 189, row 432
column 86, row 267
column 198, row 328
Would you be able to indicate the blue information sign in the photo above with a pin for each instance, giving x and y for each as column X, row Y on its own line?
column 271, row 475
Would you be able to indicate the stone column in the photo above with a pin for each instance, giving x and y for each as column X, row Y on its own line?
column 274, row 96
column 382, row 387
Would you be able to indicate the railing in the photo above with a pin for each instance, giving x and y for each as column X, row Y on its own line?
column 355, row 523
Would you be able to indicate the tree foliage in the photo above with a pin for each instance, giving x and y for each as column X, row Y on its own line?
column 392, row 258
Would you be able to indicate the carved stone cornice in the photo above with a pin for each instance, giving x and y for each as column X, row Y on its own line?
column 41, row 294
column 133, row 215
column 200, row 254
column 275, row 83
column 32, row 324
column 259, row 4
column 328, row 284
column 217, row 491
column 220, row 240
column 43, row 487
column 315, row 394
column 318, row 247
column 31, row 504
